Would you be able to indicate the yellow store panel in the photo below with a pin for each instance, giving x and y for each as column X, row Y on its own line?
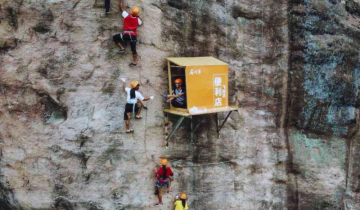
column 206, row 87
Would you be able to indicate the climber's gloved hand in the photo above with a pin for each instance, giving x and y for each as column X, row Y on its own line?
column 177, row 197
column 151, row 97
column 123, row 79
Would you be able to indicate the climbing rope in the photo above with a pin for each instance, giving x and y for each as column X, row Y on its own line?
column 262, row 102
column 262, row 53
column 145, row 145
column 145, row 131
column 226, row 33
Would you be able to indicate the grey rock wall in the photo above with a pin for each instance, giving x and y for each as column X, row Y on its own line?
column 293, row 71
column 324, row 75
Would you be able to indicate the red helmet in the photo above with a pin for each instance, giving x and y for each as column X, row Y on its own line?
column 178, row 80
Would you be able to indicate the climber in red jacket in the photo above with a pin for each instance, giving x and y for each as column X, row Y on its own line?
column 131, row 22
column 164, row 177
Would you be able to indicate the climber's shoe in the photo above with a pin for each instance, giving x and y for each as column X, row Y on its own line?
column 130, row 131
column 168, row 191
column 122, row 51
column 138, row 117
column 132, row 64
column 159, row 204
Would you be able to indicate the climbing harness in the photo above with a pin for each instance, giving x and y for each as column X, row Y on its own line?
column 128, row 33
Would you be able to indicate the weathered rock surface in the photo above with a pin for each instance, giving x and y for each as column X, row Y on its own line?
column 323, row 101
column 294, row 73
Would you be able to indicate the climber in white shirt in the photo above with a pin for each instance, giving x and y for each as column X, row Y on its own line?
column 133, row 102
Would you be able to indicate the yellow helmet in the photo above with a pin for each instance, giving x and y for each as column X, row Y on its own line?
column 182, row 196
column 134, row 83
column 164, row 162
column 135, row 11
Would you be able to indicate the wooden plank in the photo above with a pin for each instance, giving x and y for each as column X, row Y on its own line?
column 217, row 110
column 233, row 108
column 180, row 109
column 176, row 112
column 184, row 112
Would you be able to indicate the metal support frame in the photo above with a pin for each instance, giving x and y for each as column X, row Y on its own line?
column 176, row 127
column 217, row 124
column 197, row 126
column 218, row 129
column 194, row 128
column 191, row 130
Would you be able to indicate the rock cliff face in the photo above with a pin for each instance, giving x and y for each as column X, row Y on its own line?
column 294, row 71
column 324, row 102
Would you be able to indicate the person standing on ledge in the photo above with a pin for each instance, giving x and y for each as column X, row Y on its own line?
column 178, row 96
column 131, row 22
column 133, row 102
